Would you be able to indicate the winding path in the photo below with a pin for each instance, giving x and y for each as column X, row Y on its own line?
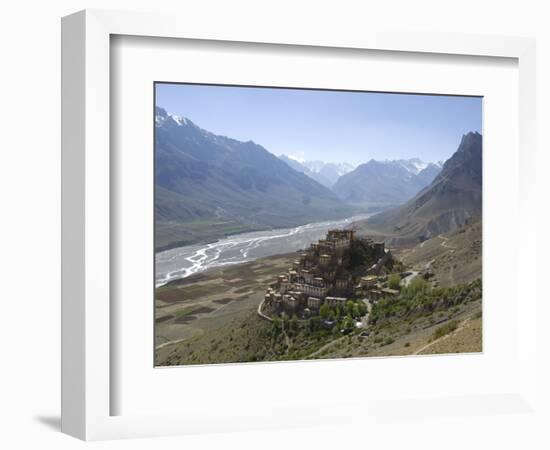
column 442, row 338
column 327, row 345
column 261, row 314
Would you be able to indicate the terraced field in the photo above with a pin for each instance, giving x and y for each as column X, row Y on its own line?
column 200, row 303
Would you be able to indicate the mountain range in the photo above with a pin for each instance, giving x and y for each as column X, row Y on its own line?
column 451, row 200
column 385, row 183
column 208, row 186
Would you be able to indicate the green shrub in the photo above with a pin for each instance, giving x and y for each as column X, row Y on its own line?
column 419, row 299
column 394, row 281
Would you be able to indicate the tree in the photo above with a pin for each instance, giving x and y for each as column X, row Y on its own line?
column 324, row 311
column 349, row 323
column 394, row 281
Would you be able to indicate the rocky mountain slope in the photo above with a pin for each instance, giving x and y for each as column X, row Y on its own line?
column 453, row 199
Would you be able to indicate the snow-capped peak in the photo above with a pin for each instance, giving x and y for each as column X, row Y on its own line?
column 179, row 119
column 419, row 165
column 297, row 159
column 321, row 166
column 413, row 165
column 161, row 116
column 344, row 168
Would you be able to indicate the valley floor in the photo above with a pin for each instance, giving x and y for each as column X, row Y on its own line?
column 212, row 317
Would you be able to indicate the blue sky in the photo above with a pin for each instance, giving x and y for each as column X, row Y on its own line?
column 331, row 126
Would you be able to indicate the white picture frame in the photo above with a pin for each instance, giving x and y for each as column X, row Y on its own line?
column 87, row 385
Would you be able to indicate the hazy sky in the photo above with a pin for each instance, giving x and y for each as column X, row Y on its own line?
column 331, row 126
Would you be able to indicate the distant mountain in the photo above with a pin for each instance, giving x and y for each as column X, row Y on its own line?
column 300, row 167
column 385, row 183
column 453, row 199
column 325, row 173
column 208, row 186
column 329, row 171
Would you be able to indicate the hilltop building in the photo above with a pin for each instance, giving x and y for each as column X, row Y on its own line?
column 330, row 271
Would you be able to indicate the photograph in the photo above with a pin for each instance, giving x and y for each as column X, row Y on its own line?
column 298, row 224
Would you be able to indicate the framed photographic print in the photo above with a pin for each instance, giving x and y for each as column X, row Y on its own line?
column 270, row 229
